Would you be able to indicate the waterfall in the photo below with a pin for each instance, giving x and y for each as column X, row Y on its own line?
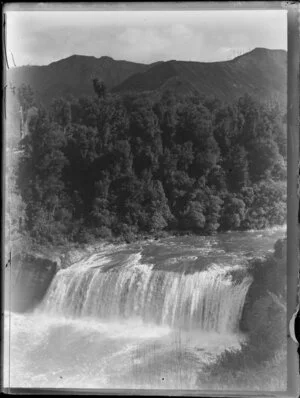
column 209, row 300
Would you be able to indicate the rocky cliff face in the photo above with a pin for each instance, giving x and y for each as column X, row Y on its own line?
column 30, row 273
column 27, row 281
column 265, row 304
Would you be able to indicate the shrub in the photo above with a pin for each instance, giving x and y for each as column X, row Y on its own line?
column 103, row 232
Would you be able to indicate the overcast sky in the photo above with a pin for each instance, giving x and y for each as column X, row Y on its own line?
column 39, row 38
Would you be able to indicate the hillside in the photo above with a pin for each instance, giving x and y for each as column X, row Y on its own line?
column 72, row 76
column 261, row 73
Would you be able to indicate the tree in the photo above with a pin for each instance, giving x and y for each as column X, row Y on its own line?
column 236, row 166
column 26, row 98
column 61, row 112
column 212, row 213
column 193, row 216
column 123, row 164
column 263, row 155
column 234, row 210
column 40, row 177
column 99, row 88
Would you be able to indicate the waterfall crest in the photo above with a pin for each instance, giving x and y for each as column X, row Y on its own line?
column 209, row 300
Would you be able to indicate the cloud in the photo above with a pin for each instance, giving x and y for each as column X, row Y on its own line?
column 181, row 31
column 151, row 38
column 142, row 36
column 141, row 44
column 152, row 44
column 228, row 53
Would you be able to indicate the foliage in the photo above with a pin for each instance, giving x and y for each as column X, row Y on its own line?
column 99, row 87
column 142, row 163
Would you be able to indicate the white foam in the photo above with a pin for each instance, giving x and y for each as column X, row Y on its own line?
column 176, row 260
column 206, row 299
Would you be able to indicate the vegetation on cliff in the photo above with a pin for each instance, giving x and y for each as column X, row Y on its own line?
column 126, row 165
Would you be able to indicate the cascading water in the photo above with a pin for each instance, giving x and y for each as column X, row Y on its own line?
column 208, row 300
column 135, row 316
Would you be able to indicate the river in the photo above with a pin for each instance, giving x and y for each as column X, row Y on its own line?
column 143, row 315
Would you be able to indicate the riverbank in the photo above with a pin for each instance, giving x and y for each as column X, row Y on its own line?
column 233, row 372
column 69, row 252
column 261, row 363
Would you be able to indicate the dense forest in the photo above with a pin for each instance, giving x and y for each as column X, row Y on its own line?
column 135, row 164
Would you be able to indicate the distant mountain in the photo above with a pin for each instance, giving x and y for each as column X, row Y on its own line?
column 261, row 73
column 73, row 75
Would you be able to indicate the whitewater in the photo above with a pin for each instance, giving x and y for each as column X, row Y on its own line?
column 143, row 315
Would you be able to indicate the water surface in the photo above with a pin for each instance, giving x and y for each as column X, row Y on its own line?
column 137, row 316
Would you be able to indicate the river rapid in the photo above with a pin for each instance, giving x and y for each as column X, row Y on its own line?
column 144, row 315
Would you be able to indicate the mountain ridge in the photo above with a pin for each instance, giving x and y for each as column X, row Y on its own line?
column 261, row 72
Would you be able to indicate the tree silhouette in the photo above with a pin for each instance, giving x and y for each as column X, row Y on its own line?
column 99, row 87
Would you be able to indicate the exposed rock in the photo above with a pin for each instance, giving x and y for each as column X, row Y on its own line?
column 268, row 289
column 29, row 277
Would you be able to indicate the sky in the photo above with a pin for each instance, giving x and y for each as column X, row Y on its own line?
column 42, row 37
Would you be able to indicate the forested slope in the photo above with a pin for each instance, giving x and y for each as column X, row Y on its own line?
column 126, row 165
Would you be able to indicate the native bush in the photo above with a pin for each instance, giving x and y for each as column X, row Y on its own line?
column 141, row 163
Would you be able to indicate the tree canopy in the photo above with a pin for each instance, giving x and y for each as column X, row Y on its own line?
column 113, row 165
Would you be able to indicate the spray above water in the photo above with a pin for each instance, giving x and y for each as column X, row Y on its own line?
column 207, row 300
column 128, row 318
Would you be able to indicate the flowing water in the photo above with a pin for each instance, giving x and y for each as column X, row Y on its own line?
column 137, row 316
